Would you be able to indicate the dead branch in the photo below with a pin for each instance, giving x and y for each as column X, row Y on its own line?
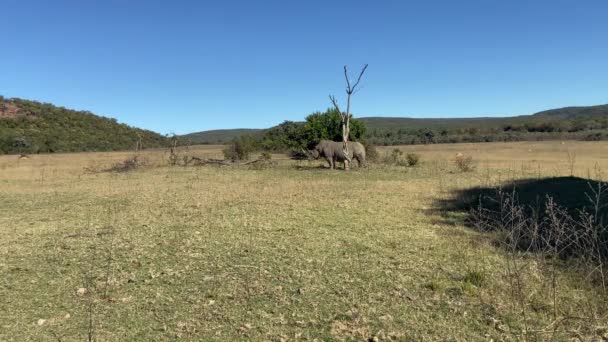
column 222, row 162
column 350, row 90
column 335, row 103
column 345, row 116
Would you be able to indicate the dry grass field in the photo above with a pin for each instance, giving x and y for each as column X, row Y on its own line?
column 294, row 252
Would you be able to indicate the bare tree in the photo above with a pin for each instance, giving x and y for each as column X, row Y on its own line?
column 345, row 116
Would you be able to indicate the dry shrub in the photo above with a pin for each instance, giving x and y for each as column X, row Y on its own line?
column 396, row 158
column 555, row 241
column 263, row 162
column 396, row 155
column 464, row 163
column 412, row 159
column 129, row 164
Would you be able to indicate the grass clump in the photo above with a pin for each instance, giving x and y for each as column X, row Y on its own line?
column 464, row 163
column 476, row 278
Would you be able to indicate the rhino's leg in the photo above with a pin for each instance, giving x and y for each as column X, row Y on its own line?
column 331, row 162
column 360, row 162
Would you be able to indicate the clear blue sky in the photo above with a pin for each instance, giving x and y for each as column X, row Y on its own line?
column 183, row 66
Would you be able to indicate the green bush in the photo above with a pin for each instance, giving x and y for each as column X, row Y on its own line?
column 239, row 149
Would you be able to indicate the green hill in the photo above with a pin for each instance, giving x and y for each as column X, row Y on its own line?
column 569, row 113
column 581, row 123
column 34, row 127
column 219, row 136
column 575, row 112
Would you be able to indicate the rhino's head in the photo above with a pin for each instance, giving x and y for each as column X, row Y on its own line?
column 313, row 154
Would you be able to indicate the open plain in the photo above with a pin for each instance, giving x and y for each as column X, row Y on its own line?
column 290, row 252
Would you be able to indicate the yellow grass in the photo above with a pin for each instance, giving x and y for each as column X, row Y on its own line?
column 294, row 252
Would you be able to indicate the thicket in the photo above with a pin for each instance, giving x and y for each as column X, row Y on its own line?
column 294, row 137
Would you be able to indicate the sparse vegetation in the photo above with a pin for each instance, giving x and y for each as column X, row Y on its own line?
column 204, row 253
column 464, row 163
column 129, row 164
column 412, row 159
column 239, row 149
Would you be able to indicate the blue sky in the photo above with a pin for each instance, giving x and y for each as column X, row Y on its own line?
column 183, row 66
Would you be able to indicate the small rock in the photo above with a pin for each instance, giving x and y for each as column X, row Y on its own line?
column 82, row 291
column 502, row 328
column 41, row 322
column 387, row 318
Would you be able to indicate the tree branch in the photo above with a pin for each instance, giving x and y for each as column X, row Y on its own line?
column 348, row 89
column 358, row 79
column 335, row 103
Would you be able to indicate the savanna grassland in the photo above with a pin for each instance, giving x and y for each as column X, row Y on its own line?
column 292, row 252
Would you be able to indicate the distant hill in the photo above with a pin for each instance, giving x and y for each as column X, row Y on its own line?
column 219, row 136
column 574, row 112
column 590, row 123
column 34, row 127
column 481, row 122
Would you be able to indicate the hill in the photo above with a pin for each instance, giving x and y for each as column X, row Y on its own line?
column 34, row 127
column 219, row 136
column 575, row 112
column 485, row 122
column 581, row 123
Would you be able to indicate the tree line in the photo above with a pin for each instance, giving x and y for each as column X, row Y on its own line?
column 531, row 128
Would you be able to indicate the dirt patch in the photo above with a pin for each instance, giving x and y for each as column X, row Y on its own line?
column 8, row 110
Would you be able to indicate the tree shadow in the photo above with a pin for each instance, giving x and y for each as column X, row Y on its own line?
column 535, row 207
column 571, row 193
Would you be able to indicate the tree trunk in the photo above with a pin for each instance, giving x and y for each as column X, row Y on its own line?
column 350, row 89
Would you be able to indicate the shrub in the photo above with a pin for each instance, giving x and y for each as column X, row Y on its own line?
column 129, row 164
column 412, row 159
column 396, row 155
column 239, row 149
column 464, row 163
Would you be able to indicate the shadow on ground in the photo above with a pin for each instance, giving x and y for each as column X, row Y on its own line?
column 571, row 193
column 526, row 205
